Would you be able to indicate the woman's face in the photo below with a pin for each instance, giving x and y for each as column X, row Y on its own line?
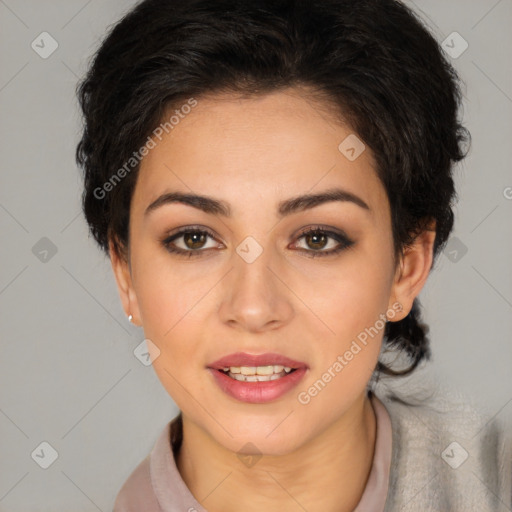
column 252, row 282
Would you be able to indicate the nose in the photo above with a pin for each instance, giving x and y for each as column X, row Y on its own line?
column 255, row 296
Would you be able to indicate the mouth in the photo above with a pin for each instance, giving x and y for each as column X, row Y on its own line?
column 257, row 378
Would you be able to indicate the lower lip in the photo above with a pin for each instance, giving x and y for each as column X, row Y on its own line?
column 257, row 392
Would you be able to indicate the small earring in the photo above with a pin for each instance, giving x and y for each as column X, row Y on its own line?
column 130, row 317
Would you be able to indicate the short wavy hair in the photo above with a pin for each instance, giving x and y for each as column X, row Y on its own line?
column 373, row 62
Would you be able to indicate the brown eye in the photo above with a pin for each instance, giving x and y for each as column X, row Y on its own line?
column 194, row 240
column 317, row 239
column 192, row 243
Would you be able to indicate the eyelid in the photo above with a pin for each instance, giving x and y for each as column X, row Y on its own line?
column 325, row 229
column 186, row 229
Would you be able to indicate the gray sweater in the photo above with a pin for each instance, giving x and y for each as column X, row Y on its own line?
column 447, row 456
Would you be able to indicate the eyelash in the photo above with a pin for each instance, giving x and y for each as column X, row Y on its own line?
column 342, row 239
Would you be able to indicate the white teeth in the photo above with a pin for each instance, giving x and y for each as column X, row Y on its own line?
column 257, row 373
column 258, row 370
column 256, row 378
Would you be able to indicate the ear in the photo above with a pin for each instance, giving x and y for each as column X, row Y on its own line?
column 413, row 271
column 122, row 273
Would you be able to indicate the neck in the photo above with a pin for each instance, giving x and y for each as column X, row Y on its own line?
column 327, row 473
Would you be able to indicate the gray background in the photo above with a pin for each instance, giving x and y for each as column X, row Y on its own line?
column 68, row 373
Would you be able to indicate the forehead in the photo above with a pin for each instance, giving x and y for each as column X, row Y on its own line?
column 281, row 144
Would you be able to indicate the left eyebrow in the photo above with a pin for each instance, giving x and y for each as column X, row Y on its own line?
column 287, row 207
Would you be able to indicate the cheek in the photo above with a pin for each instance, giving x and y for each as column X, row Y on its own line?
column 353, row 306
column 350, row 298
column 170, row 311
column 349, row 352
column 167, row 293
column 346, row 358
column 170, row 307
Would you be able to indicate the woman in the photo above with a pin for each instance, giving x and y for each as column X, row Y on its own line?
column 272, row 181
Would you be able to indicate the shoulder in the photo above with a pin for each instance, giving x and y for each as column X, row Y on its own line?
column 137, row 493
column 446, row 454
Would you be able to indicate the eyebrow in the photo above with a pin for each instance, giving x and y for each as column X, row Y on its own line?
column 218, row 207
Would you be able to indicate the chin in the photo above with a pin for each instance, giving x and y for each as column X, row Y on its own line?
column 272, row 436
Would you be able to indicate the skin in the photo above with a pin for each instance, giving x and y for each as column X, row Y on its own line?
column 253, row 153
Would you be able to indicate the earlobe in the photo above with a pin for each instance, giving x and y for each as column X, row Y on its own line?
column 413, row 272
column 123, row 279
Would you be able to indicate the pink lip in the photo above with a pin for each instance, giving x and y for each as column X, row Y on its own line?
column 244, row 359
column 256, row 392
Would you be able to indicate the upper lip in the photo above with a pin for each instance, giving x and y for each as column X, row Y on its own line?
column 266, row 359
